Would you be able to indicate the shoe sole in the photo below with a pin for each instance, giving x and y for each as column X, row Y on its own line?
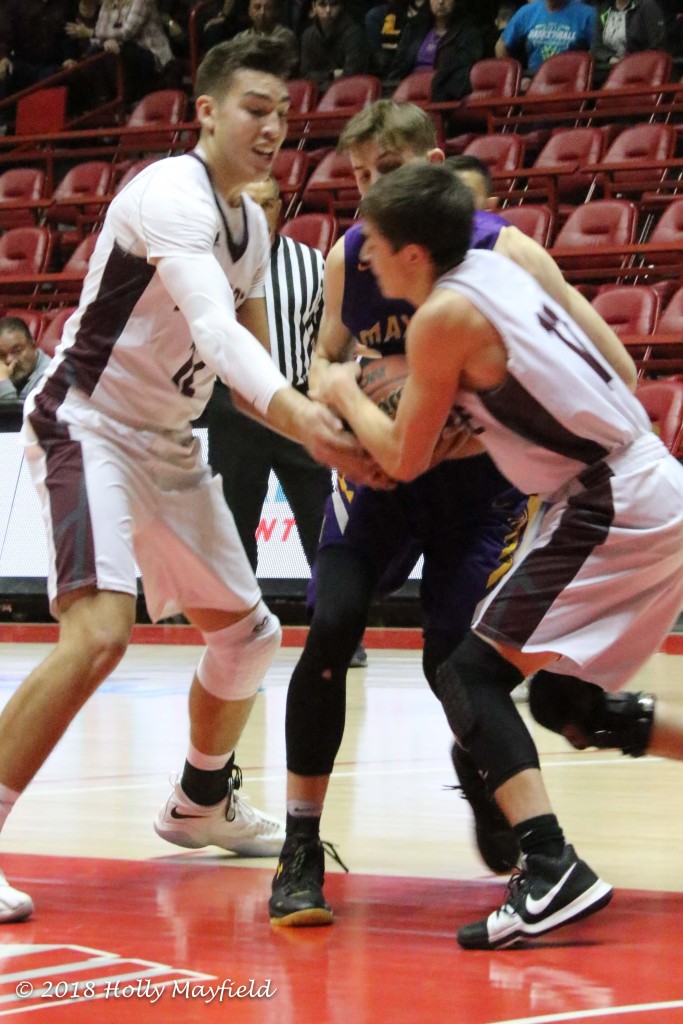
column 600, row 894
column 18, row 914
column 314, row 916
column 240, row 849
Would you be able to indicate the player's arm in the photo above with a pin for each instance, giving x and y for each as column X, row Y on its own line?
column 440, row 342
column 533, row 258
column 200, row 289
column 335, row 343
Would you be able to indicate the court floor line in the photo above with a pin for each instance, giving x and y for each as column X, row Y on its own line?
column 610, row 1011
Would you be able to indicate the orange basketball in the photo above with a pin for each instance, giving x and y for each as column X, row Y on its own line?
column 382, row 381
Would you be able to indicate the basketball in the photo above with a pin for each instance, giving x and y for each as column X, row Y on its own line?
column 382, row 381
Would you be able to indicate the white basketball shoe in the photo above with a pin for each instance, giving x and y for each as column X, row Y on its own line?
column 15, row 905
column 233, row 824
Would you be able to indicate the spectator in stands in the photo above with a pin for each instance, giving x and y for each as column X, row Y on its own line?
column 32, row 41
column 22, row 363
column 543, row 28
column 133, row 30
column 80, row 30
column 627, row 26
column 333, row 46
column 175, row 18
column 383, row 27
column 264, row 21
column 233, row 18
column 448, row 41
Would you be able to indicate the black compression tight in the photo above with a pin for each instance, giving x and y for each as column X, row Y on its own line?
column 316, row 699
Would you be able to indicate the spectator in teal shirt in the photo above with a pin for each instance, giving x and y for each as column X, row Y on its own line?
column 540, row 29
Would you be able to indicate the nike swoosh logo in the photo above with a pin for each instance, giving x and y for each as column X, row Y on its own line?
column 179, row 817
column 536, row 907
column 261, row 625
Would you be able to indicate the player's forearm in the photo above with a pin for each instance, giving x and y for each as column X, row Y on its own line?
column 378, row 434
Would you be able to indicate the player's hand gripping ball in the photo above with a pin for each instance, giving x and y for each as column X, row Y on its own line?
column 382, row 380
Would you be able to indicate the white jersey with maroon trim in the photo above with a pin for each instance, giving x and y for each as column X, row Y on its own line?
column 561, row 407
column 129, row 350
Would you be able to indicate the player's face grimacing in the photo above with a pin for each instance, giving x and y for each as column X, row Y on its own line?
column 244, row 130
column 372, row 159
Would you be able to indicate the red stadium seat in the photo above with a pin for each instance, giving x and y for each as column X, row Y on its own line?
column 290, row 170
column 491, row 79
column 663, row 402
column 52, row 331
column 576, row 147
column 24, row 251
column 671, row 321
column 164, row 108
column 332, row 187
column 606, row 222
column 500, row 153
column 415, row 88
column 648, row 67
column 344, row 98
column 74, row 201
column 318, row 230
column 303, row 95
column 629, row 309
column 669, row 229
column 637, row 146
column 563, row 73
column 77, row 263
column 535, row 220
column 21, row 189
column 568, row 72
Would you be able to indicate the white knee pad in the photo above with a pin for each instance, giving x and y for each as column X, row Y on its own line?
column 237, row 658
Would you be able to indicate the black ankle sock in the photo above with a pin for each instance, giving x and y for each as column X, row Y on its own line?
column 540, row 835
column 306, row 827
column 206, row 787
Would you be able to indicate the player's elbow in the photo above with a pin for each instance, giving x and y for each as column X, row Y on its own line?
column 407, row 465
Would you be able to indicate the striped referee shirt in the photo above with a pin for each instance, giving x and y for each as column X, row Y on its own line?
column 294, row 301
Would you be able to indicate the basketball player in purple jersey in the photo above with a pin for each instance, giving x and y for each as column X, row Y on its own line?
column 371, row 540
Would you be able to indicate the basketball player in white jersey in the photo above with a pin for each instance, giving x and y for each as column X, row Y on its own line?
column 599, row 579
column 174, row 296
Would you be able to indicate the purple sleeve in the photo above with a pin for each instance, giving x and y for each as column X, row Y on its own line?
column 485, row 229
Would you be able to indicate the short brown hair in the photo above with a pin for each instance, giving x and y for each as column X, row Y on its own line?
column 424, row 204
column 394, row 124
column 254, row 53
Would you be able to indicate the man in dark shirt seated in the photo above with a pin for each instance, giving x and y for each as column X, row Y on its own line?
column 22, row 363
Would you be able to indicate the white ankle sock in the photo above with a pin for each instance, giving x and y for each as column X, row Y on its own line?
column 304, row 808
column 207, row 762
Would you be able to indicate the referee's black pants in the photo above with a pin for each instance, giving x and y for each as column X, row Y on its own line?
column 244, row 453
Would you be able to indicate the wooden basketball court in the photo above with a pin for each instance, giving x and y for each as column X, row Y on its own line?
column 129, row 928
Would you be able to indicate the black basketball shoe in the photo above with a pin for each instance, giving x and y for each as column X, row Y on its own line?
column 495, row 839
column 297, row 891
column 546, row 893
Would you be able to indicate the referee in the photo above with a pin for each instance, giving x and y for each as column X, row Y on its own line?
column 243, row 451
